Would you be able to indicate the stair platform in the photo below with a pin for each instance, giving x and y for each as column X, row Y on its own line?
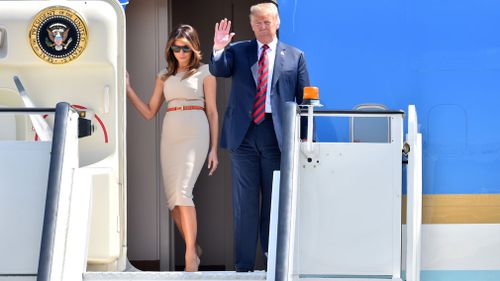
column 172, row 276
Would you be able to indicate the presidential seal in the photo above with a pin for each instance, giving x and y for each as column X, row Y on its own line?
column 58, row 35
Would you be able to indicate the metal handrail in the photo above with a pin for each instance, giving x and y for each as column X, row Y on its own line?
column 327, row 112
column 286, row 192
column 53, row 190
column 24, row 110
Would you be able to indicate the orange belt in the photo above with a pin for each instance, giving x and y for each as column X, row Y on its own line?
column 186, row 107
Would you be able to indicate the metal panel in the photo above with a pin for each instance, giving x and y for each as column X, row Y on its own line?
column 346, row 207
column 23, row 172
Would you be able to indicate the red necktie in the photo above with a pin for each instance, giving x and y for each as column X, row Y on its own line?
column 260, row 98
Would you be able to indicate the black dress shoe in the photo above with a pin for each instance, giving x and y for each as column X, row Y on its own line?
column 244, row 270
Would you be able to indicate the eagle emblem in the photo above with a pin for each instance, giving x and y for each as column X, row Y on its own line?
column 58, row 37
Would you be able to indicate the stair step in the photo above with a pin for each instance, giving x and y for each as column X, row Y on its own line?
column 327, row 278
column 173, row 276
column 347, row 279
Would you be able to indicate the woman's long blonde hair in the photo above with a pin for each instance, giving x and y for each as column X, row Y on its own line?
column 189, row 34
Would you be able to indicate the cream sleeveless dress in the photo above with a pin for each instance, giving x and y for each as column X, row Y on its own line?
column 185, row 137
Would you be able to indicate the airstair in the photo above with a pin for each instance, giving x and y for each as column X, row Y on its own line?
column 336, row 206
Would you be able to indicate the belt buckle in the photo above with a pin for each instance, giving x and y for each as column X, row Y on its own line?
column 179, row 107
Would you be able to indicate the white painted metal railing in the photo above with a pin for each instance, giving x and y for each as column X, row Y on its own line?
column 414, row 198
column 305, row 230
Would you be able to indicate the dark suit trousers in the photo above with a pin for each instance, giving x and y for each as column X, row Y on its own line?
column 253, row 163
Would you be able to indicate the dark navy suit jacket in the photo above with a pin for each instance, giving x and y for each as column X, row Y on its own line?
column 239, row 61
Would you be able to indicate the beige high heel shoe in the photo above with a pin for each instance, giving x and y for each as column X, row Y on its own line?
column 193, row 265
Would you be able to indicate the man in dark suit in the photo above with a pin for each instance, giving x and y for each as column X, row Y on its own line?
column 265, row 74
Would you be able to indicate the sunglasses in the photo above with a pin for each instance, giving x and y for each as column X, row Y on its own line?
column 177, row 49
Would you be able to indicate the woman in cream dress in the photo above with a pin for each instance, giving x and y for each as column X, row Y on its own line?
column 189, row 132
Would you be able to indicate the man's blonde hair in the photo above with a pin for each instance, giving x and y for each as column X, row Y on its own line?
column 263, row 8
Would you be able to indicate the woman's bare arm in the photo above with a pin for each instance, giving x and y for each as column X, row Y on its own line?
column 148, row 111
column 209, row 87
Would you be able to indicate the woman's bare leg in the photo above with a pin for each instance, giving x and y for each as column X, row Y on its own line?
column 176, row 215
column 177, row 219
column 189, row 230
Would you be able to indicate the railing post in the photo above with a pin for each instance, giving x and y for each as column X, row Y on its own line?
column 287, row 178
column 54, row 190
